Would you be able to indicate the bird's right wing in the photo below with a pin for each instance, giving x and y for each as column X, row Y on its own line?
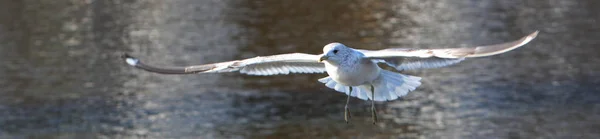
column 406, row 59
column 266, row 65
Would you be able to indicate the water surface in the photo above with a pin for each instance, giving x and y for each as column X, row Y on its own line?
column 61, row 76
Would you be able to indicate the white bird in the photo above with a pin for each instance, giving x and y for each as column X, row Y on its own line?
column 351, row 71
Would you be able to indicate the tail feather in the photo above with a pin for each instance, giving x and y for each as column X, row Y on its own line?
column 362, row 92
column 388, row 86
column 341, row 88
column 382, row 92
column 357, row 91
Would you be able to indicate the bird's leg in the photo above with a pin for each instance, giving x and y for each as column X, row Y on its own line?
column 373, row 111
column 346, row 110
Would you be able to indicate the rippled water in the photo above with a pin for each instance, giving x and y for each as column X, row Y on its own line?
column 61, row 76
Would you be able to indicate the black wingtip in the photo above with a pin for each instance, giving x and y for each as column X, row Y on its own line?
column 130, row 59
column 126, row 55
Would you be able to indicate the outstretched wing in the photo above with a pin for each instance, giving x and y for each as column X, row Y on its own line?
column 266, row 65
column 403, row 59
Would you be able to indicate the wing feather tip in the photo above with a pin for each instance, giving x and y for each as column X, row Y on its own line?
column 534, row 34
column 529, row 37
column 130, row 60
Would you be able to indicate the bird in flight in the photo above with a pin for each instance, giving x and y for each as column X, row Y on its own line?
column 354, row 72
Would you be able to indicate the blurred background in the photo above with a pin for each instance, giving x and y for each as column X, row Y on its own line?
column 61, row 75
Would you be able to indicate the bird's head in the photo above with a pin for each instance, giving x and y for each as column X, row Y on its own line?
column 335, row 52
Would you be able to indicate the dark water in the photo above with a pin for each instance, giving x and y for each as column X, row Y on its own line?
column 61, row 76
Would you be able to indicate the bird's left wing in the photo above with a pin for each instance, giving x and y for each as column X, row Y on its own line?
column 407, row 59
column 265, row 65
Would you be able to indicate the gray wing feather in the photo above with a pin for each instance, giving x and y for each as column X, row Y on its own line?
column 283, row 68
column 428, row 63
column 267, row 65
column 479, row 51
column 434, row 58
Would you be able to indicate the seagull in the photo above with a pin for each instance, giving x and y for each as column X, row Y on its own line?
column 354, row 72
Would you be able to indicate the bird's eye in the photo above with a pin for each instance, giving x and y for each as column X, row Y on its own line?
column 335, row 51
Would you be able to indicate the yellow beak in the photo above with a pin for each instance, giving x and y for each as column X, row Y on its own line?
column 323, row 58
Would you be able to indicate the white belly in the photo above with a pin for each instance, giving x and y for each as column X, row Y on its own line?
column 353, row 74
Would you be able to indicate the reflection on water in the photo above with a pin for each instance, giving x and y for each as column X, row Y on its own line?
column 61, row 75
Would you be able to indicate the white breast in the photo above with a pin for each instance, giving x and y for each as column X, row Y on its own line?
column 353, row 74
